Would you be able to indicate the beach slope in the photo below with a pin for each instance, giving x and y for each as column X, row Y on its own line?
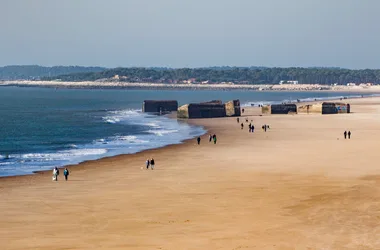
column 300, row 185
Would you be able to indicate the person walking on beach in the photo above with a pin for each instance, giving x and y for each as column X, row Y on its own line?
column 199, row 140
column 249, row 127
column 152, row 163
column 345, row 134
column 210, row 138
column 349, row 134
column 264, row 127
column 147, row 163
column 238, row 120
column 253, row 128
column 55, row 174
column 66, row 173
column 242, row 125
column 214, row 137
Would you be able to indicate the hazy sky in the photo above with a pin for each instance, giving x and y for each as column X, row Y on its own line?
column 191, row 33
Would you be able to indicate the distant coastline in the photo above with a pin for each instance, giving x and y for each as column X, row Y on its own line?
column 124, row 85
column 261, row 87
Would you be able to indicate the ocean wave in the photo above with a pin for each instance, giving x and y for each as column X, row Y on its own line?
column 130, row 139
column 117, row 116
column 64, row 154
column 162, row 132
column 153, row 132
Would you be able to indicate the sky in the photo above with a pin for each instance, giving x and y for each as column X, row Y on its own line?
column 191, row 33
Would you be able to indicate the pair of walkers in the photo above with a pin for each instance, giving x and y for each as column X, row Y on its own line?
column 56, row 173
column 251, row 128
column 150, row 163
column 347, row 134
column 212, row 138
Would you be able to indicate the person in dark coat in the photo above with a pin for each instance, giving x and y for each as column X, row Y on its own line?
column 152, row 163
column 349, row 134
column 210, row 138
column 199, row 140
column 147, row 163
column 242, row 125
column 345, row 134
column 66, row 173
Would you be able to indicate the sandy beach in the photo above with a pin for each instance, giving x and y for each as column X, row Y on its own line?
column 300, row 185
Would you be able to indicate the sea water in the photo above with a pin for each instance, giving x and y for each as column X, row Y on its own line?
column 41, row 128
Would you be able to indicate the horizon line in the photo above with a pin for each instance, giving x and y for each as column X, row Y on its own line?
column 204, row 67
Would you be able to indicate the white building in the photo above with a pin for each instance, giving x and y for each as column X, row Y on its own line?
column 288, row 82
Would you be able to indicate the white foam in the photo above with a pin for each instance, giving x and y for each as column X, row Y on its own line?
column 111, row 119
column 152, row 124
column 64, row 154
column 162, row 132
column 121, row 115
column 129, row 139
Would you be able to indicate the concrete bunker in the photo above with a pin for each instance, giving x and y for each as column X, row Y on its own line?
column 211, row 109
column 154, row 106
column 280, row 109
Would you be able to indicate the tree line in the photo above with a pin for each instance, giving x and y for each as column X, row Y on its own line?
column 35, row 72
column 237, row 75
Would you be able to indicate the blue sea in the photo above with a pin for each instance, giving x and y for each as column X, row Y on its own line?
column 41, row 128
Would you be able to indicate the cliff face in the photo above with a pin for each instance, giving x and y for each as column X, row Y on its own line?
column 159, row 106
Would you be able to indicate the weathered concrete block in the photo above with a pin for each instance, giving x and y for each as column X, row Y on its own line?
column 310, row 108
column 283, row 108
column 183, row 111
column 159, row 106
column 324, row 108
column 265, row 109
column 232, row 108
column 201, row 110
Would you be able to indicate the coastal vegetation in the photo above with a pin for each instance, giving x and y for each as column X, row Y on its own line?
column 233, row 75
column 35, row 72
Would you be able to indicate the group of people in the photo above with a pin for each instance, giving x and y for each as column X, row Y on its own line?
column 56, row 173
column 251, row 128
column 265, row 127
column 150, row 163
column 347, row 134
column 211, row 138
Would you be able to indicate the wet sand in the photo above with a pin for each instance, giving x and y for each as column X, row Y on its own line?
column 298, row 186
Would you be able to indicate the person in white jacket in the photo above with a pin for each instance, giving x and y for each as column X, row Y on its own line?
column 55, row 174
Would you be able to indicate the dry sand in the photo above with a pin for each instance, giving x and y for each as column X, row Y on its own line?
column 298, row 186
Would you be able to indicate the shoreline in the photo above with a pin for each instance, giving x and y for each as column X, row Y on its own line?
column 191, row 122
column 168, row 86
column 298, row 185
column 113, row 157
